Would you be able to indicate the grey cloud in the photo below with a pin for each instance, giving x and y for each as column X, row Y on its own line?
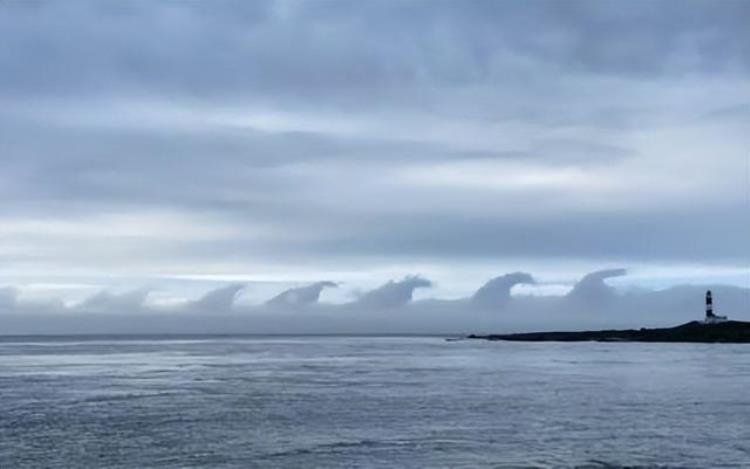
column 737, row 113
column 106, row 301
column 126, row 108
column 716, row 235
column 8, row 297
column 570, row 150
column 300, row 296
column 394, row 294
column 215, row 301
column 369, row 47
column 496, row 292
column 592, row 289
column 235, row 171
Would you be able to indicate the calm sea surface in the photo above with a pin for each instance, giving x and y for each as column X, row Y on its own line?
column 392, row 402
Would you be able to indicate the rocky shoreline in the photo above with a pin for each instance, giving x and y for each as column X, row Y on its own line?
column 695, row 331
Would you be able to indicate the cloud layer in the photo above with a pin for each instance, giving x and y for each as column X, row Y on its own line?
column 389, row 308
column 283, row 142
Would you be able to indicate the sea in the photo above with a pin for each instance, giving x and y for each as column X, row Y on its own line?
column 369, row 402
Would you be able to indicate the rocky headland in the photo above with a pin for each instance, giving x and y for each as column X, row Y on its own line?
column 694, row 331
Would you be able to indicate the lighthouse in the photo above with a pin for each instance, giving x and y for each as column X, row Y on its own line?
column 711, row 318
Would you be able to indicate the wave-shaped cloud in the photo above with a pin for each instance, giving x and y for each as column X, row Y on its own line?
column 394, row 294
column 592, row 288
column 496, row 292
column 301, row 296
column 218, row 300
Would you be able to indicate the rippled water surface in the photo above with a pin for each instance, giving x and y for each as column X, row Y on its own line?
column 370, row 402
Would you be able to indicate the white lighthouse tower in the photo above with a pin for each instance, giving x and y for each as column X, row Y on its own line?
column 711, row 318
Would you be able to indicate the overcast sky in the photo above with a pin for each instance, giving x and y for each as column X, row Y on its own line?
column 184, row 145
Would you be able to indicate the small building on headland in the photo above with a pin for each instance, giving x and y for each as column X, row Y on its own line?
column 712, row 318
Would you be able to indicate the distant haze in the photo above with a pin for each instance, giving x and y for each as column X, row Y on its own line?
column 372, row 166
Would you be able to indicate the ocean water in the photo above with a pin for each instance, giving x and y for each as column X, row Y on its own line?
column 390, row 402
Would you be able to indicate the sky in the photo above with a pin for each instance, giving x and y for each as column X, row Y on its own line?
column 167, row 150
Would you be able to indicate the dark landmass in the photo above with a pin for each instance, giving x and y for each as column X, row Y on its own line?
column 695, row 331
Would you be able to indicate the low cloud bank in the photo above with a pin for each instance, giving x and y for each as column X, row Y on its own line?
column 107, row 301
column 389, row 308
column 8, row 297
